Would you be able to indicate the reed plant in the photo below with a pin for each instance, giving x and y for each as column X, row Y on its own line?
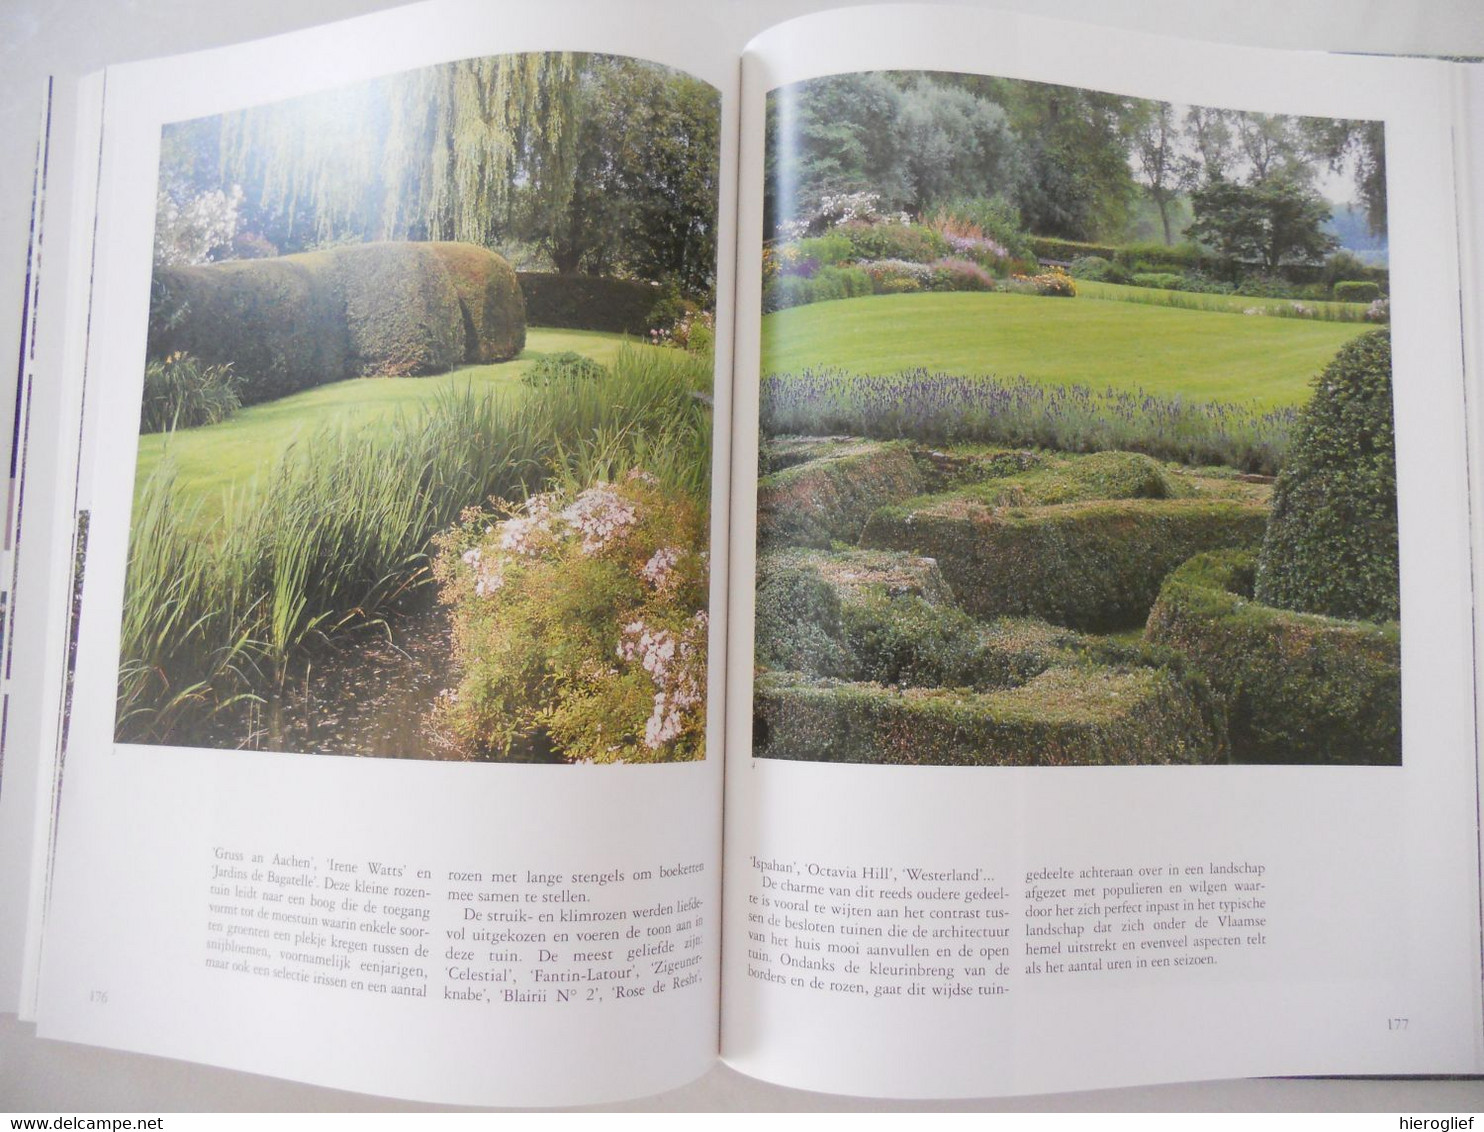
column 339, row 533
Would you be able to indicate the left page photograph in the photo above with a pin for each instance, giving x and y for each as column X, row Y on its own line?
column 390, row 758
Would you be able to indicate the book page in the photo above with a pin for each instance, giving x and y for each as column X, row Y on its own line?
column 1108, row 671
column 393, row 760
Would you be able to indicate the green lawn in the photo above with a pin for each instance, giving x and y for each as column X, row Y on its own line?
column 1191, row 300
column 1205, row 355
column 210, row 461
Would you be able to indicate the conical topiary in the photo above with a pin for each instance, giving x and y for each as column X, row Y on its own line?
column 1331, row 542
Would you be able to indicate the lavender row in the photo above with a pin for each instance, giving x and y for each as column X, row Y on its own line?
column 947, row 408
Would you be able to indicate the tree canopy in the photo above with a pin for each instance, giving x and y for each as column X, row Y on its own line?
column 596, row 163
column 1074, row 163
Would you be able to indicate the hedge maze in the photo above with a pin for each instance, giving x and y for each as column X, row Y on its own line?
column 995, row 606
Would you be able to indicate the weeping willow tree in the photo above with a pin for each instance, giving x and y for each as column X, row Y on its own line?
column 427, row 154
column 590, row 163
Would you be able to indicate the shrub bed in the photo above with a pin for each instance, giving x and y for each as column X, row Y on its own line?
column 1299, row 688
column 1063, row 717
column 588, row 302
column 829, row 499
column 1094, row 565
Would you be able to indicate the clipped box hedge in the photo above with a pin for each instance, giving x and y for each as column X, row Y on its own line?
column 829, row 499
column 1356, row 291
column 279, row 323
column 1094, row 565
column 493, row 308
column 1299, row 688
column 1082, row 716
column 376, row 310
column 588, row 302
column 889, row 618
column 402, row 311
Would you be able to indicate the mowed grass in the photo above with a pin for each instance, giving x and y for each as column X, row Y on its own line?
column 1230, row 304
column 214, row 460
column 1202, row 355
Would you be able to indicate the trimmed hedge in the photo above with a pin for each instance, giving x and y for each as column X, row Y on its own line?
column 1299, row 688
column 292, row 322
column 1356, row 291
column 588, row 302
column 1331, row 546
column 279, row 323
column 1079, row 479
column 402, row 312
column 493, row 308
column 1094, row 566
column 830, row 498
column 1084, row 716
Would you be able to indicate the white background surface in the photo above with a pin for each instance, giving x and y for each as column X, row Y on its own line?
column 68, row 38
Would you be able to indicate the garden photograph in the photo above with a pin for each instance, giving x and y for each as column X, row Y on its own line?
column 424, row 462
column 1076, row 441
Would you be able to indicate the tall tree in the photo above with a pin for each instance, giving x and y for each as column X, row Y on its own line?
column 1208, row 131
column 1078, row 183
column 1362, row 144
column 1271, row 145
column 1268, row 223
column 430, row 153
column 1156, row 137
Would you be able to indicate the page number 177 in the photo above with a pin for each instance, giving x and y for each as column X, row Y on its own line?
column 1397, row 1023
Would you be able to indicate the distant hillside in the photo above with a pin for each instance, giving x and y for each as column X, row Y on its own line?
column 1348, row 224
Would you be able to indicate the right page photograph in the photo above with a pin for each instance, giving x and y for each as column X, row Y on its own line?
column 1090, row 743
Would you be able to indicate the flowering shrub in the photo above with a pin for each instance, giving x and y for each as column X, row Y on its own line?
column 835, row 209
column 891, row 276
column 961, row 275
column 678, row 321
column 190, row 232
column 1378, row 311
column 1054, row 282
column 580, row 622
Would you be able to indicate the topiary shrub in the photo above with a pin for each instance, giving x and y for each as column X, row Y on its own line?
column 587, row 302
column 1356, row 291
column 490, row 300
column 279, row 323
column 1094, row 565
column 1299, row 688
column 1331, row 545
column 829, row 499
column 402, row 311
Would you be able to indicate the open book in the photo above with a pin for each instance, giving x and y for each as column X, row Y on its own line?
column 933, row 561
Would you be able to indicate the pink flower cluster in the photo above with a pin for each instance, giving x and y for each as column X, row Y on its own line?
column 671, row 662
column 489, row 575
column 659, row 571
column 599, row 515
column 522, row 534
